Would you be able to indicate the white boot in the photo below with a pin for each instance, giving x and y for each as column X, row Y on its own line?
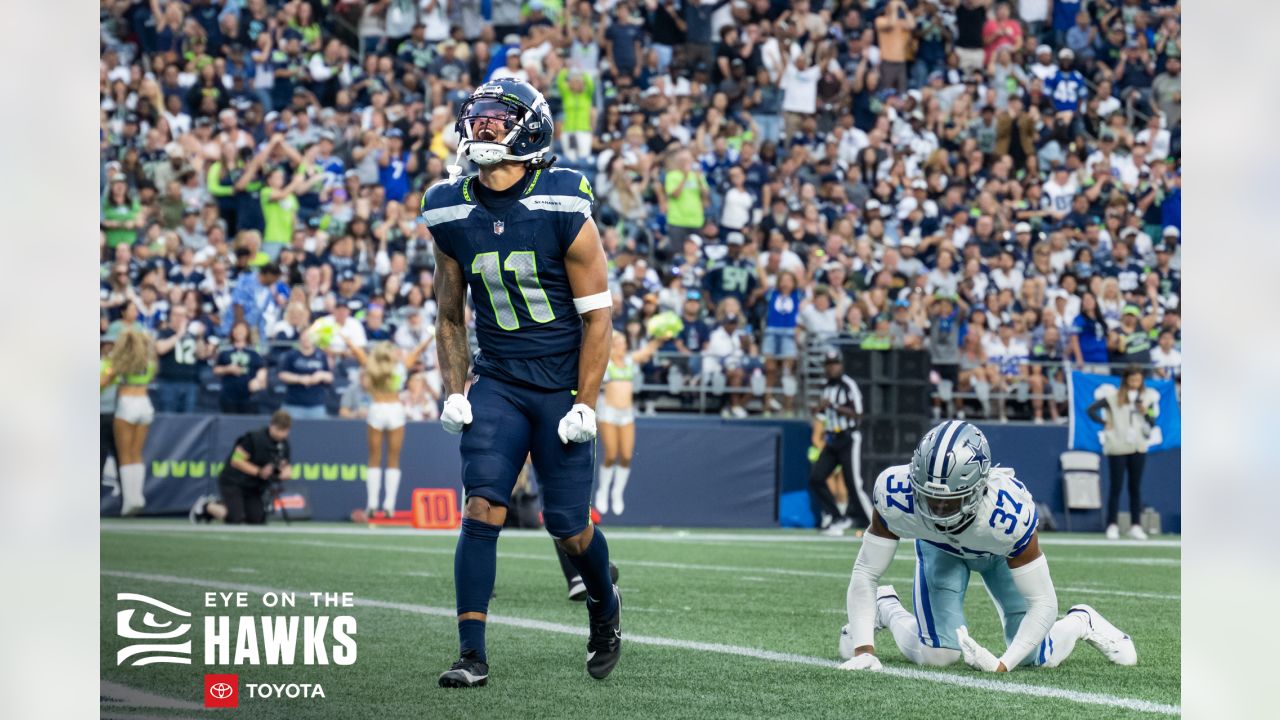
column 392, row 479
column 602, row 489
column 620, row 477
column 1113, row 532
column 1137, row 533
column 132, row 478
column 373, row 488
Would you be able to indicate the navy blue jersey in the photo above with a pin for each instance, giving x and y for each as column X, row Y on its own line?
column 512, row 257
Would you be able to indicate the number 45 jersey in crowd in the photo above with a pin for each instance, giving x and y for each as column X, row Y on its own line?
column 511, row 248
column 1004, row 523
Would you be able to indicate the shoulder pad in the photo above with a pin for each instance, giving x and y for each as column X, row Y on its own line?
column 447, row 201
column 562, row 181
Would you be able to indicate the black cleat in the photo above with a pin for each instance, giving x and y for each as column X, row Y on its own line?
column 604, row 645
column 613, row 573
column 467, row 672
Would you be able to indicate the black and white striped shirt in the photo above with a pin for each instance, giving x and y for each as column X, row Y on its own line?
column 840, row 392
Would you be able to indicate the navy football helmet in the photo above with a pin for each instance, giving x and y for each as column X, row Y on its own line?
column 505, row 119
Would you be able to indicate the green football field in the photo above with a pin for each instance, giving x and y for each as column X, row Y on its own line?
column 719, row 624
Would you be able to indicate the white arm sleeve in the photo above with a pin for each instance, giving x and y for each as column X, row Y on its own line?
column 873, row 559
column 1033, row 581
column 593, row 302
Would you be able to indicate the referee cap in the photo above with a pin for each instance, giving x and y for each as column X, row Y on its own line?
column 832, row 356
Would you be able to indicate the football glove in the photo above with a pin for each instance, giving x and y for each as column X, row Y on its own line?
column 578, row 425
column 866, row 661
column 976, row 656
column 456, row 414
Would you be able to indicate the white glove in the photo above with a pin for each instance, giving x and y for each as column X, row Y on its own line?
column 976, row 656
column 579, row 425
column 456, row 414
column 866, row 661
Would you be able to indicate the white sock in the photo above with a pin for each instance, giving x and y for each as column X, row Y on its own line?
column 620, row 477
column 373, row 486
column 1061, row 640
column 906, row 633
column 602, row 489
column 393, row 487
column 843, row 507
column 109, row 468
column 132, row 478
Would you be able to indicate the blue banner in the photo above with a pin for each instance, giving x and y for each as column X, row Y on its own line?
column 1087, row 434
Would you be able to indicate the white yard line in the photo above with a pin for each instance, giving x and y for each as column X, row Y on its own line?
column 748, row 570
column 680, row 536
column 965, row 681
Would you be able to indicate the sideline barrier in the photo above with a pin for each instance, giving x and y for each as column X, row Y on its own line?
column 687, row 472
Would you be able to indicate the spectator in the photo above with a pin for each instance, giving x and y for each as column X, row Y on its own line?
column 779, row 346
column 420, row 399
column 688, row 196
column 894, row 31
column 243, row 372
column 971, row 21
column 999, row 32
column 577, row 90
column 1166, row 358
column 1166, row 92
column 181, row 350
column 255, row 298
column 307, row 375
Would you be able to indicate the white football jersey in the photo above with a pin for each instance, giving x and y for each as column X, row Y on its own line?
column 1005, row 522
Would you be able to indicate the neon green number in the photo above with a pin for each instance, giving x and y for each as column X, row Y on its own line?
column 523, row 264
column 486, row 266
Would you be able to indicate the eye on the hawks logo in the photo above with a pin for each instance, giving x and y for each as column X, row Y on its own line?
column 160, row 633
column 222, row 691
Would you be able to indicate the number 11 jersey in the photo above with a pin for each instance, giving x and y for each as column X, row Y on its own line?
column 1003, row 525
column 512, row 253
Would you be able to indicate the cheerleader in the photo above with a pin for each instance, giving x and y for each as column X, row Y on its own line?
column 615, row 419
column 384, row 377
column 132, row 364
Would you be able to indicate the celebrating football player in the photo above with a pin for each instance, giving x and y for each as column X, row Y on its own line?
column 520, row 235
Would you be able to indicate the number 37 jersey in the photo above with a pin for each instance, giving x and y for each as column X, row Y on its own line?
column 512, row 256
column 1004, row 524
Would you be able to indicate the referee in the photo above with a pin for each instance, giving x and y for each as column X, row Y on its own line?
column 840, row 410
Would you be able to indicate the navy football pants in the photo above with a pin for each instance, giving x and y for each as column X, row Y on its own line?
column 511, row 421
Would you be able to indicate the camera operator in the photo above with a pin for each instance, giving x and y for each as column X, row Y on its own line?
column 258, row 459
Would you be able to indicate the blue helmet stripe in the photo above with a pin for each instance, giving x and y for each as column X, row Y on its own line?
column 933, row 456
column 938, row 461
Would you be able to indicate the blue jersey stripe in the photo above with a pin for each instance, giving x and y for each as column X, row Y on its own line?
column 924, row 598
column 1023, row 541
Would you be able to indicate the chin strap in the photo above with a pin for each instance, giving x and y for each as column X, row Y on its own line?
column 456, row 168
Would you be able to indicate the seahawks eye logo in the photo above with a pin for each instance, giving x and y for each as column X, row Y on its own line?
column 161, row 632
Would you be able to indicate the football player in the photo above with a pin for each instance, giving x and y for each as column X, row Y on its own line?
column 519, row 234
column 965, row 516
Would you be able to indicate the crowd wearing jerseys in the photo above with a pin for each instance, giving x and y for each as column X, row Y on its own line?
column 996, row 183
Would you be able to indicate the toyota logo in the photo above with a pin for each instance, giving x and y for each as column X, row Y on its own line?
column 221, row 690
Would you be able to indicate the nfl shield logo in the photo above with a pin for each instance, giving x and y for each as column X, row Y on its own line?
column 497, row 227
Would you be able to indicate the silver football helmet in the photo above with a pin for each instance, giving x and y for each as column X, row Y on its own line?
column 949, row 472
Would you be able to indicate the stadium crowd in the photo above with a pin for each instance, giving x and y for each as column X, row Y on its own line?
column 995, row 183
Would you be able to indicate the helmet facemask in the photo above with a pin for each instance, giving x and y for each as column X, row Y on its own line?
column 949, row 474
column 489, row 125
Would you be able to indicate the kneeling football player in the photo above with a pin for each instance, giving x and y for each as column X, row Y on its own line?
column 964, row 517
